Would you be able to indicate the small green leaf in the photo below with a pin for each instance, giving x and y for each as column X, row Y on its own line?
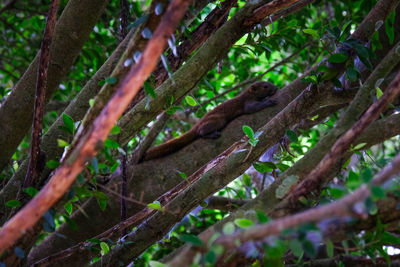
column 262, row 167
column 296, row 247
column 192, row 239
column 149, row 90
column 243, row 222
column 68, row 123
column 52, row 164
column 68, row 207
column 111, row 80
column 182, row 174
column 91, row 102
column 62, row 143
column 111, row 143
column 359, row 146
column 104, row 248
column 367, row 175
column 246, row 179
column 262, row 217
column 329, row 249
column 379, row 93
column 351, row 74
column 292, row 136
column 282, row 167
column 390, row 238
column 248, row 131
column 31, row 191
column 115, row 130
column 13, row 203
column 338, row 58
column 377, row 192
column 190, row 100
column 312, row 33
column 210, row 257
column 156, row 205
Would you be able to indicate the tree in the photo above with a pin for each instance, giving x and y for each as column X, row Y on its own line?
column 307, row 181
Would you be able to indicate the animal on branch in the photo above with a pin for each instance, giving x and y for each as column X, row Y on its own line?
column 255, row 98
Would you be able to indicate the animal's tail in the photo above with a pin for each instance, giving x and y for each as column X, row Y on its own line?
column 170, row 146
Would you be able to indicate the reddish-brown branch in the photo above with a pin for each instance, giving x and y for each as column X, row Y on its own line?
column 41, row 83
column 93, row 141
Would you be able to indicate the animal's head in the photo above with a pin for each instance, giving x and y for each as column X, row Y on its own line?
column 261, row 90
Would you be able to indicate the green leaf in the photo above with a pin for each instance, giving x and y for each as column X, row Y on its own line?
column 156, row 205
column 13, row 203
column 329, row 249
column 149, row 90
column 190, row 100
column 91, row 102
column 379, row 93
column 292, row 136
column 181, row 174
column 246, row 179
column 390, row 238
column 68, row 123
column 336, row 192
column 52, row 164
column 243, row 222
column 338, row 58
column 282, row 167
column 351, row 74
column 248, row 131
column 68, row 207
column 353, row 181
column 31, row 191
column 377, row 192
column 296, row 247
column 312, row 33
column 367, row 175
column 62, row 143
column 359, row 146
column 111, row 143
column 111, row 80
column 102, row 204
column 115, row 130
column 104, row 248
column 210, row 257
column 262, row 167
column 389, row 27
column 192, row 239
column 262, row 217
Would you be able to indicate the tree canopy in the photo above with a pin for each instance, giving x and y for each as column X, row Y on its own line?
column 88, row 86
